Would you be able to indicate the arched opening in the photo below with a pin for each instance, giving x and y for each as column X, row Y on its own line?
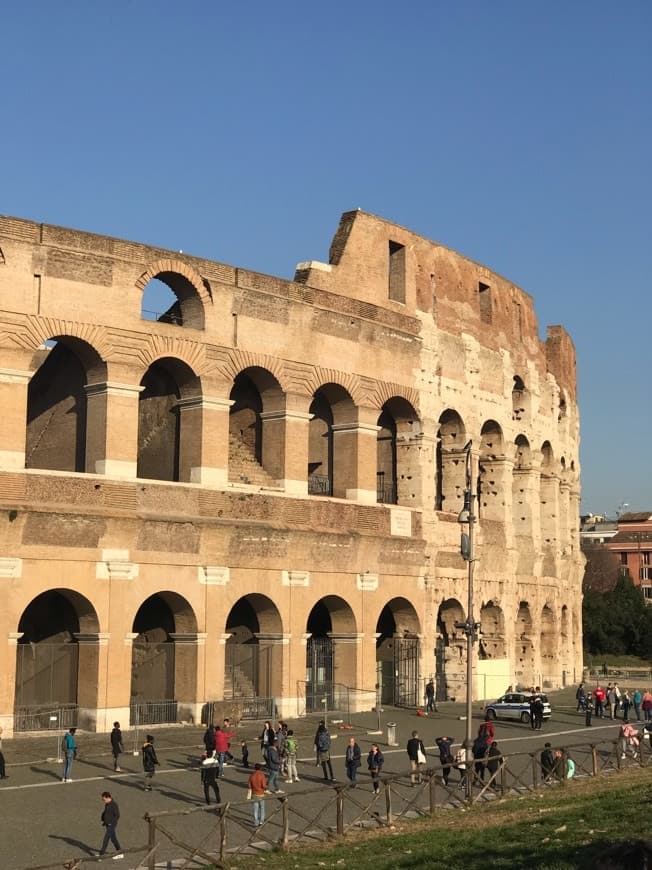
column 524, row 646
column 492, row 628
column 163, row 658
column 397, row 465
column 329, row 460
column 549, row 507
column 255, row 456
column 169, row 297
column 450, row 651
column 397, row 654
column 548, row 647
column 55, row 673
column 491, row 495
column 254, row 655
column 520, row 400
column 166, row 451
column 331, row 653
column 451, row 463
column 56, row 431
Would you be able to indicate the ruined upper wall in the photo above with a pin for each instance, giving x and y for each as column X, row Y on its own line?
column 387, row 265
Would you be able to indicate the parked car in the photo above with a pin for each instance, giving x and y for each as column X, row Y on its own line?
column 515, row 705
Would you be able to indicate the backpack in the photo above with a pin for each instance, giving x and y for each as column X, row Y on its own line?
column 323, row 741
column 291, row 745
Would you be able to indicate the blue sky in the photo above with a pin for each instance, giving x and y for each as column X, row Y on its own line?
column 515, row 132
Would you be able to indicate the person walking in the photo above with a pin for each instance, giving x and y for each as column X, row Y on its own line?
column 266, row 739
column 416, row 752
column 209, row 776
column 257, row 786
column 323, row 752
column 245, row 753
column 445, row 756
column 430, row 697
column 110, row 818
column 209, row 740
column 69, row 746
column 291, row 750
column 626, row 704
column 494, row 763
column 637, row 697
column 599, row 696
column 116, row 745
column 611, row 700
column 588, row 711
column 150, row 760
column 274, row 764
column 580, row 697
column 375, row 761
column 222, row 747
column 646, row 705
column 3, row 773
column 460, row 762
column 352, row 760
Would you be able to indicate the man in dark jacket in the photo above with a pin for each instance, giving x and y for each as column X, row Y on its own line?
column 209, row 778
column 417, row 761
column 149, row 761
column 494, row 763
column 209, row 740
column 547, row 763
column 110, row 817
column 445, row 756
column 352, row 760
column 274, row 764
column 116, row 745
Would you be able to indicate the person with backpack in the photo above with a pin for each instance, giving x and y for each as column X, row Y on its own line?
column 291, row 749
column 323, row 746
column 69, row 747
column 116, row 746
column 637, row 697
column 479, row 750
column 150, row 760
column 445, row 757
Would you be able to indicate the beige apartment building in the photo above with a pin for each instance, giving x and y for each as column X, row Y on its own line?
column 255, row 495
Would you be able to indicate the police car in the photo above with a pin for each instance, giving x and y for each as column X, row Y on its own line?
column 515, row 705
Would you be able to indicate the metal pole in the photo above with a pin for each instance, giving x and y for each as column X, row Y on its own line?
column 469, row 626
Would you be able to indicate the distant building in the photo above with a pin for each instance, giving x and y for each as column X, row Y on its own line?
column 597, row 529
column 633, row 545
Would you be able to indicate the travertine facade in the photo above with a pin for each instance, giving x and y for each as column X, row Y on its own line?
column 258, row 495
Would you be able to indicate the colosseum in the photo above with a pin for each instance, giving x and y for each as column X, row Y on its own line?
column 254, row 494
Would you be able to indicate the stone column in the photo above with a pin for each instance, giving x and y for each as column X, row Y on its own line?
column 8, row 683
column 453, row 482
column 273, row 665
column 415, row 468
column 496, row 489
column 13, row 433
column 204, row 443
column 549, row 500
column 354, row 457
column 92, row 675
column 346, row 647
column 189, row 652
column 285, row 447
column 112, row 429
column 564, row 507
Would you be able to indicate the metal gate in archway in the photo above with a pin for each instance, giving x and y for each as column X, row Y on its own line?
column 319, row 674
column 406, row 672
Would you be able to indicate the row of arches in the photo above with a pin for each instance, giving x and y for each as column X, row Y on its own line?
column 52, row 654
column 61, row 432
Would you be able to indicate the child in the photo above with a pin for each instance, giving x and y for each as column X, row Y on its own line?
column 291, row 748
column 245, row 753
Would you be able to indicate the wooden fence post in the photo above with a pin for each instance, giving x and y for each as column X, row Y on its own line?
column 339, row 803
column 618, row 758
column 503, row 776
column 535, row 770
column 151, row 841
column 432, row 782
column 223, row 813
column 594, row 755
column 388, row 802
column 285, row 835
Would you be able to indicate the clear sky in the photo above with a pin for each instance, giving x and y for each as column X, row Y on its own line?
column 518, row 133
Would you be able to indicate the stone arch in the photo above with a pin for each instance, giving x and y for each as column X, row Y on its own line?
column 36, row 330
column 548, row 646
column 238, row 360
column 164, row 652
column 491, row 483
column 254, row 649
column 398, row 653
column 56, row 657
column 520, row 400
column 168, row 449
column 523, row 496
column 450, row 651
column 192, row 292
column 492, row 627
column 331, row 651
column 58, row 430
column 397, row 466
column 333, row 412
column 451, row 462
column 524, row 646
column 257, row 407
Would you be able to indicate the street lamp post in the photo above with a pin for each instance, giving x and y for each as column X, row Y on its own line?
column 470, row 627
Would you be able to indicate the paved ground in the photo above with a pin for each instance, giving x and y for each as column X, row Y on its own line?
column 50, row 820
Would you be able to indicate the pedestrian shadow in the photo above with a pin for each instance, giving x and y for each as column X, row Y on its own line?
column 181, row 796
column 78, row 844
column 46, row 772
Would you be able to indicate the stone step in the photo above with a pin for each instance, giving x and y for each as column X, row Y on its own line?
column 244, row 467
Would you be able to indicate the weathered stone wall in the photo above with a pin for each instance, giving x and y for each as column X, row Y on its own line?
column 271, row 395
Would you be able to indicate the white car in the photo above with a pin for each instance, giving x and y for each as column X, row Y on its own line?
column 515, row 705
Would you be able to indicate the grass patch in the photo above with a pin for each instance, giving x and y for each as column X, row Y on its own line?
column 559, row 829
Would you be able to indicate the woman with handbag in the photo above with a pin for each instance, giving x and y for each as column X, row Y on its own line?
column 375, row 761
column 417, row 754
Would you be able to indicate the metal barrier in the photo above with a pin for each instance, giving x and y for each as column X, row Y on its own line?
column 153, row 713
column 253, row 708
column 42, row 718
